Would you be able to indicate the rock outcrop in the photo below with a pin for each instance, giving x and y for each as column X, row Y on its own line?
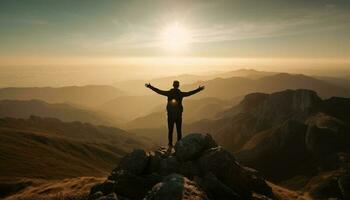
column 259, row 112
column 317, row 140
column 198, row 169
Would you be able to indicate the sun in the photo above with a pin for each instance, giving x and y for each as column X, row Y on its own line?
column 175, row 37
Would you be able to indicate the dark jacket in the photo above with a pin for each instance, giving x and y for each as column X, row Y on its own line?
column 175, row 96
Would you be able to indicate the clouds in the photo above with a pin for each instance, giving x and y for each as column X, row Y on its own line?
column 242, row 30
column 134, row 27
column 237, row 25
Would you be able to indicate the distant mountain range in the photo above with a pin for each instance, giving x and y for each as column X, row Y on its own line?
column 90, row 96
column 230, row 90
column 340, row 82
column 196, row 109
column 239, row 86
column 135, row 87
column 130, row 107
column 64, row 112
column 122, row 106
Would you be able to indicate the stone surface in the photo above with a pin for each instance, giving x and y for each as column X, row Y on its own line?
column 111, row 196
column 133, row 186
column 191, row 146
column 95, row 195
column 169, row 165
column 189, row 169
column 135, row 162
column 176, row 187
column 225, row 167
column 206, row 172
column 105, row 187
column 326, row 189
column 344, row 185
column 214, row 188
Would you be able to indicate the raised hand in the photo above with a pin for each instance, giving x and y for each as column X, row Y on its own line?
column 148, row 85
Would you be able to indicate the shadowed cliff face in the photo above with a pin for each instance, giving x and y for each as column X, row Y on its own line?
column 226, row 88
column 291, row 136
column 258, row 112
column 312, row 142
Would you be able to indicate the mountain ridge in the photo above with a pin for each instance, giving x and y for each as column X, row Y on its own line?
column 62, row 111
column 89, row 95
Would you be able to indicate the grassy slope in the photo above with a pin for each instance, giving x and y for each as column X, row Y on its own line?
column 30, row 154
column 37, row 148
column 286, row 194
column 78, row 188
column 74, row 188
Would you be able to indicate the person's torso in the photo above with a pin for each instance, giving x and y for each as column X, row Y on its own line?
column 175, row 101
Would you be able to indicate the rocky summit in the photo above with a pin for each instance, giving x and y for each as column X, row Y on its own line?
column 197, row 169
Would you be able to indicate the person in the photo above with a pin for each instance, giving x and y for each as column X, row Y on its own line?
column 174, row 107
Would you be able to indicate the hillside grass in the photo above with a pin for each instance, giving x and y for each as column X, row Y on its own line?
column 66, row 189
column 51, row 149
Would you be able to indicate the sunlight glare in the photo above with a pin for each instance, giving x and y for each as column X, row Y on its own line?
column 175, row 37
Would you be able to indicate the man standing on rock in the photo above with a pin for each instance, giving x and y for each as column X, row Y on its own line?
column 174, row 107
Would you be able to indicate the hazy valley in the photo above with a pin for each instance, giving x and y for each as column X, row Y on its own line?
column 50, row 134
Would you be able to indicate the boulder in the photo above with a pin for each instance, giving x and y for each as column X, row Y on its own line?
column 256, row 196
column 133, row 186
column 326, row 189
column 189, row 169
column 155, row 158
column 224, row 166
column 214, row 188
column 95, row 195
column 192, row 145
column 176, row 187
column 169, row 165
column 122, row 198
column 111, row 196
column 257, row 183
column 135, row 162
column 344, row 185
column 164, row 174
column 105, row 187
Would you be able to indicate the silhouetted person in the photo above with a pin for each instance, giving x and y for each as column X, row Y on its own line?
column 174, row 107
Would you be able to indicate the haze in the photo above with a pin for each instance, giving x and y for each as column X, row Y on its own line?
column 90, row 42
column 257, row 92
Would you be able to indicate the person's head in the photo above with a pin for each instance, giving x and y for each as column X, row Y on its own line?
column 176, row 84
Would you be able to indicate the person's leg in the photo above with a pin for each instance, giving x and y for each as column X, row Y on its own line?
column 170, row 130
column 178, row 128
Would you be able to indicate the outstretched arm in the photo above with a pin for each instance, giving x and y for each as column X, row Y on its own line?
column 186, row 94
column 161, row 92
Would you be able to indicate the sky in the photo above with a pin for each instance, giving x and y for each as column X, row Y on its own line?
column 290, row 34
